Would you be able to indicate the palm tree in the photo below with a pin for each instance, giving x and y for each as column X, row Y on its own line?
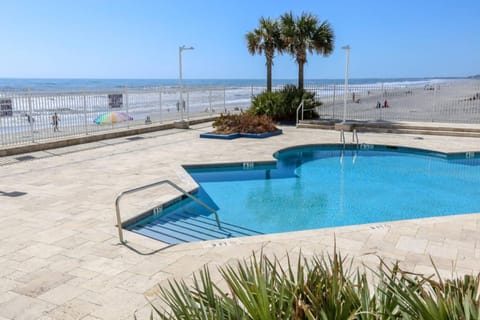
column 305, row 34
column 265, row 39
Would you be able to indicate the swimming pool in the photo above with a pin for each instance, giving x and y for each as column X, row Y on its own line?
column 311, row 187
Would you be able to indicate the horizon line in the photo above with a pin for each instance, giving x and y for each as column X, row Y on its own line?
column 259, row 79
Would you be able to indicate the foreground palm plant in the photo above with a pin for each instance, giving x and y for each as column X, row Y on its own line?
column 320, row 288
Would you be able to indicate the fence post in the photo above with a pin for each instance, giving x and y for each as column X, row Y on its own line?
column 333, row 106
column 126, row 105
column 30, row 113
column 224, row 99
column 85, row 111
column 380, row 112
column 160, row 102
column 1, row 131
column 210, row 100
column 434, row 100
column 188, row 105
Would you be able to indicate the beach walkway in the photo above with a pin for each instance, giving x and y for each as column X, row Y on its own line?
column 60, row 256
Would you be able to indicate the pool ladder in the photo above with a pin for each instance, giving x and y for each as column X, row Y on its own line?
column 170, row 183
column 354, row 137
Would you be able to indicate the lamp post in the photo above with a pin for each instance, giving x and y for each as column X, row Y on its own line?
column 181, row 103
column 347, row 48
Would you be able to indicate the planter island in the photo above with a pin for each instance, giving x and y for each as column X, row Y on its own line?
column 213, row 135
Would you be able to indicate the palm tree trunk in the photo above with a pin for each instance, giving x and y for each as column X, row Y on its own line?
column 269, row 76
column 300, row 75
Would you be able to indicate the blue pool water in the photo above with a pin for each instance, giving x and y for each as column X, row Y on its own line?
column 327, row 186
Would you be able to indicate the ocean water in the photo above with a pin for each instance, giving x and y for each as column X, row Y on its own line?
column 96, row 84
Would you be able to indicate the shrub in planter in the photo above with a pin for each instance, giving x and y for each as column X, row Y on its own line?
column 267, row 103
column 282, row 105
column 243, row 123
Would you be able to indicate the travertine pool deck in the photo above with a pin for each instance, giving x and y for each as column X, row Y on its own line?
column 60, row 256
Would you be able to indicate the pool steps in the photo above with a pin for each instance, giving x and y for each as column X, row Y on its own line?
column 181, row 227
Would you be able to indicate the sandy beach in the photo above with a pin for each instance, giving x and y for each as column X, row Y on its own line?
column 456, row 101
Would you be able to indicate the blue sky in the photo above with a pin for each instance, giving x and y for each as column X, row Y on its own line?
column 140, row 39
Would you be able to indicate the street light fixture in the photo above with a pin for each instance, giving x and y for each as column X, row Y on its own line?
column 181, row 103
column 347, row 48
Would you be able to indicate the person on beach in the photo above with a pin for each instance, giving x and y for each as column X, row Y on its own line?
column 30, row 119
column 55, row 120
column 385, row 104
column 379, row 105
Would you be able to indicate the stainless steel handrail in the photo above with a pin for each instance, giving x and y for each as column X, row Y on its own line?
column 355, row 137
column 170, row 183
column 342, row 137
column 298, row 109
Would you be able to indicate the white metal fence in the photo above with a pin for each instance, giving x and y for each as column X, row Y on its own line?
column 26, row 116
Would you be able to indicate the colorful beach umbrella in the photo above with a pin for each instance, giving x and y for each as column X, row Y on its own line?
column 112, row 117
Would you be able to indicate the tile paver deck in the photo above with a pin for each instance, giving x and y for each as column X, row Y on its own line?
column 60, row 257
